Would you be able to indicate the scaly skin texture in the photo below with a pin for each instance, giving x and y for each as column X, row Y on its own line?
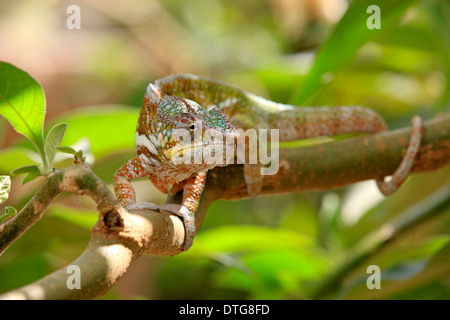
column 196, row 105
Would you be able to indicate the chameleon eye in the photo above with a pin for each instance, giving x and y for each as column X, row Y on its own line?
column 187, row 121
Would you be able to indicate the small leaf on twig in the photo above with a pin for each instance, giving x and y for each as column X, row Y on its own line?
column 5, row 188
column 9, row 213
column 52, row 141
column 78, row 155
column 26, row 169
column 65, row 149
column 30, row 177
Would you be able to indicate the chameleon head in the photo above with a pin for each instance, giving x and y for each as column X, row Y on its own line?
column 184, row 134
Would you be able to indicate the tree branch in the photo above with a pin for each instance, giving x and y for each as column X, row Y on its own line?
column 340, row 163
column 119, row 237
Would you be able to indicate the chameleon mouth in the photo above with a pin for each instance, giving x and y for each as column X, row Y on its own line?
column 196, row 148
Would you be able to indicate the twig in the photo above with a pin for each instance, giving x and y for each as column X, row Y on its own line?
column 340, row 163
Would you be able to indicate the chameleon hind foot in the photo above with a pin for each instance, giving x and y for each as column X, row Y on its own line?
column 176, row 209
column 403, row 170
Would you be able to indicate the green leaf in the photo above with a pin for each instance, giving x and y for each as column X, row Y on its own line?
column 69, row 150
column 5, row 188
column 22, row 102
column 348, row 36
column 9, row 213
column 65, row 149
column 26, row 169
column 30, row 177
column 52, row 141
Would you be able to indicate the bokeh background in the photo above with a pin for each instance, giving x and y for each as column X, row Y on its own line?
column 292, row 246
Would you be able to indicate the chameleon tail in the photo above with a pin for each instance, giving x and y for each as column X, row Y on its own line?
column 297, row 123
column 402, row 171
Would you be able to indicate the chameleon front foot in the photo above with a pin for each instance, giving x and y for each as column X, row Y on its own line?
column 188, row 221
column 403, row 170
column 181, row 211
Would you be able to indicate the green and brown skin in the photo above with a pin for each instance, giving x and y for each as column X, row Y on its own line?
column 197, row 104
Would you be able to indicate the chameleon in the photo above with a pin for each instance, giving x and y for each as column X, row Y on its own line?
column 197, row 104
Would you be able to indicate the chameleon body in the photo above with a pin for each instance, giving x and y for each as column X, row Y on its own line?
column 197, row 104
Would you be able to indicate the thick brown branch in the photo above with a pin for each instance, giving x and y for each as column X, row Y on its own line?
column 337, row 164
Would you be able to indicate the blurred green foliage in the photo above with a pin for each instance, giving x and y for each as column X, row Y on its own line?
column 291, row 246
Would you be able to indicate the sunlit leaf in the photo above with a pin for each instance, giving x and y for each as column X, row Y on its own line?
column 22, row 102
